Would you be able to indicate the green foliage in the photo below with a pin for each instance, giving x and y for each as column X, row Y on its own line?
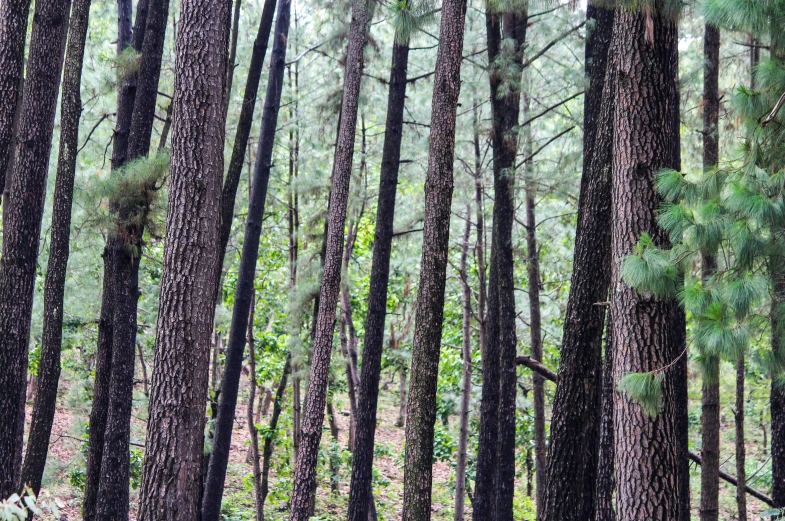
column 645, row 389
column 409, row 17
column 444, row 446
column 649, row 269
column 21, row 508
column 127, row 64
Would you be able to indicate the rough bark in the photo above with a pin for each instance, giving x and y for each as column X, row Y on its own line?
column 54, row 283
column 232, row 180
column 741, row 472
column 777, row 396
column 171, row 476
column 315, row 402
column 421, row 409
column 647, row 448
column 605, row 481
column 13, row 32
column 576, row 416
column 710, row 401
column 244, row 291
column 23, row 212
column 466, row 374
column 362, row 462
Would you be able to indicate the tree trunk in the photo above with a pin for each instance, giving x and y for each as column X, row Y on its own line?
column 267, row 453
column 230, row 64
column 54, row 284
column 311, row 431
column 232, row 181
column 244, row 292
column 647, row 449
column 421, row 409
column 24, row 207
column 13, row 33
column 710, row 403
column 402, row 389
column 466, row 374
column 741, row 472
column 171, row 477
column 777, row 398
column 576, row 418
column 605, row 482
column 253, row 432
column 362, row 462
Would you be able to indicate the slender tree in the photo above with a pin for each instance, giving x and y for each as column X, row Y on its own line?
column 368, row 396
column 172, row 467
column 23, row 212
column 244, row 291
column 644, row 330
column 313, row 419
column 54, row 284
column 13, row 32
column 576, row 415
column 710, row 400
column 421, row 407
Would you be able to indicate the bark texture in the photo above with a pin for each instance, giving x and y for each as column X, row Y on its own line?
column 171, row 476
column 421, row 407
column 244, row 292
column 605, row 483
column 13, row 32
column 316, row 398
column 362, row 462
column 23, row 211
column 647, row 451
column 54, row 284
column 571, row 474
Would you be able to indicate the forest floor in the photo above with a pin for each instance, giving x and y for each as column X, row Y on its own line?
column 64, row 477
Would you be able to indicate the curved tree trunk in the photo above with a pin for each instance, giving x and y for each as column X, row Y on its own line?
column 171, row 476
column 13, row 32
column 421, row 409
column 362, row 461
column 54, row 284
column 576, row 417
column 647, row 453
column 315, row 402
column 244, row 292
column 23, row 212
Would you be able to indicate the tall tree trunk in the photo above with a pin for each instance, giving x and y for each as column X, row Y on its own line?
column 230, row 64
column 24, row 208
column 311, row 431
column 647, row 449
column 576, row 416
column 54, row 284
column 466, row 374
column 710, row 402
column 170, row 483
column 267, row 453
column 253, row 432
column 127, row 243
column 232, row 180
column 13, row 32
column 421, row 409
column 219, row 457
column 368, row 399
column 777, row 397
column 605, row 482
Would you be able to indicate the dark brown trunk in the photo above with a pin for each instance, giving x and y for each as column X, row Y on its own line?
column 315, row 402
column 23, row 212
column 401, row 421
column 253, row 432
column 230, row 64
column 13, row 33
column 647, row 449
column 466, row 374
column 605, row 483
column 710, row 402
column 421, row 409
column 576, row 417
column 741, row 472
column 175, row 435
column 362, row 462
column 144, row 369
column 777, row 398
column 244, row 292
column 232, row 181
column 54, row 284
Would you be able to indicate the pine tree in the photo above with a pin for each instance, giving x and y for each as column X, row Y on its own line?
column 22, row 215
column 173, row 458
